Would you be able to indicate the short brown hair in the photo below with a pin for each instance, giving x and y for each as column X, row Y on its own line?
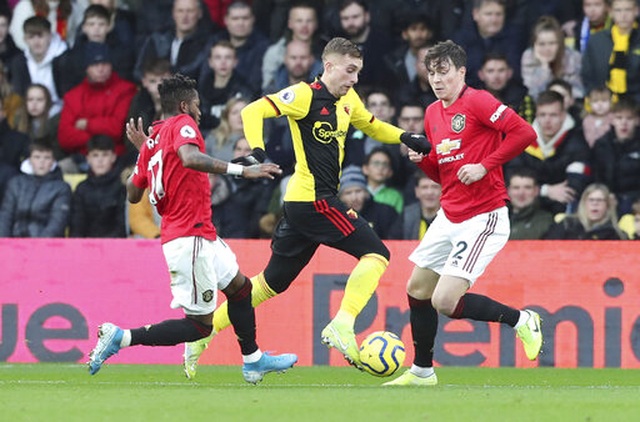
column 96, row 11
column 156, row 66
column 444, row 51
column 36, row 25
column 224, row 44
column 625, row 104
column 549, row 97
column 40, row 145
column 341, row 46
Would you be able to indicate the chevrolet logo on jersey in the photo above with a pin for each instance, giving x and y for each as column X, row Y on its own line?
column 323, row 132
column 447, row 145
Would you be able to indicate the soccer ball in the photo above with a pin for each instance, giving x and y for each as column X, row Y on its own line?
column 382, row 353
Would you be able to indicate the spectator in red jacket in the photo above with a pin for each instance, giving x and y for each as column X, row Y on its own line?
column 98, row 105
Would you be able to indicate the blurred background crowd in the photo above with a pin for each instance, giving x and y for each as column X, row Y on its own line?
column 72, row 72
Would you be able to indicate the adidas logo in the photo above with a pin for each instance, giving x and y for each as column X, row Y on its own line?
column 324, row 111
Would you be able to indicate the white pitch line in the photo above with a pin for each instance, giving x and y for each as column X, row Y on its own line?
column 169, row 384
column 206, row 385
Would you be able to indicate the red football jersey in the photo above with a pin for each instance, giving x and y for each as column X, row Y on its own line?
column 181, row 195
column 476, row 128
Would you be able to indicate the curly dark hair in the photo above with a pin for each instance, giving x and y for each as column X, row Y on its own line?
column 174, row 90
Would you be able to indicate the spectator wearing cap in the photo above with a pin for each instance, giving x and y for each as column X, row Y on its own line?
column 382, row 218
column 98, row 105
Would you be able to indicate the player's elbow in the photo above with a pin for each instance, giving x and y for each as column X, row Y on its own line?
column 190, row 162
column 255, row 111
column 134, row 193
column 133, row 199
column 529, row 133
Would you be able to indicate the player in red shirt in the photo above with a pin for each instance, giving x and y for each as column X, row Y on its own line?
column 472, row 135
column 173, row 166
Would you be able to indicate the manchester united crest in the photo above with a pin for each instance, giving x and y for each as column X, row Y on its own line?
column 458, row 122
column 208, row 295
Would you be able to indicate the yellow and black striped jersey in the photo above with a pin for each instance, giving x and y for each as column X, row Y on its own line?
column 318, row 123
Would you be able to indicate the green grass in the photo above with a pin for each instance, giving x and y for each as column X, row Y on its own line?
column 63, row 392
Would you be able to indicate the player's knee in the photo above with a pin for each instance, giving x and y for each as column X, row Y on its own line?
column 281, row 271
column 379, row 252
column 384, row 252
column 416, row 289
column 419, row 287
column 239, row 288
column 444, row 304
column 277, row 278
column 278, row 285
column 202, row 323
column 377, row 258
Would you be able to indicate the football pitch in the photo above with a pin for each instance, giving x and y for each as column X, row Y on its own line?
column 65, row 392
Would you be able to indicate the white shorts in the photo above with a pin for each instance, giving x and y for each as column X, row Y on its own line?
column 198, row 268
column 463, row 249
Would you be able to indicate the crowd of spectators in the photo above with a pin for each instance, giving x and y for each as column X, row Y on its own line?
column 72, row 72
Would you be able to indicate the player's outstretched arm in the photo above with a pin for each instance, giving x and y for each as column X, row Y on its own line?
column 254, row 168
column 192, row 158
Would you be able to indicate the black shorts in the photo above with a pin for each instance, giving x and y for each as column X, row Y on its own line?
column 328, row 221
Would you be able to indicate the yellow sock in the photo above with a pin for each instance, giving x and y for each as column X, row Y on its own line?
column 360, row 286
column 259, row 293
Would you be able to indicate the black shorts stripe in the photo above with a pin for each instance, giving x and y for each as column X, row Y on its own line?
column 480, row 242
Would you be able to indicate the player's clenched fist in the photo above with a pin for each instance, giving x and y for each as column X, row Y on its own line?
column 471, row 173
column 416, row 142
